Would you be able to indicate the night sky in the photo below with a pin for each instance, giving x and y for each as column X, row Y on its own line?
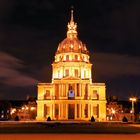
column 30, row 31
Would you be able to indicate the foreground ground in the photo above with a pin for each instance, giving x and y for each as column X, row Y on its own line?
column 69, row 137
column 72, row 127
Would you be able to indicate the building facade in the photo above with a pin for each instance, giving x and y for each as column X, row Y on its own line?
column 71, row 95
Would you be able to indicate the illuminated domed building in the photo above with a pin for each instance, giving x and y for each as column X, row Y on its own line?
column 71, row 95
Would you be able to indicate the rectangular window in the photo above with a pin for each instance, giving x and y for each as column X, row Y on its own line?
column 67, row 57
column 66, row 72
column 47, row 94
column 95, row 95
column 46, row 110
column 76, row 73
column 76, row 57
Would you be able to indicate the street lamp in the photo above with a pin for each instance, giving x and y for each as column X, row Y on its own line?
column 133, row 99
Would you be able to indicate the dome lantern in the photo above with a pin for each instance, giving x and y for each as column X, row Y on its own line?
column 72, row 27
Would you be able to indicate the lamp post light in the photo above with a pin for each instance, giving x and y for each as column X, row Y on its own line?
column 133, row 99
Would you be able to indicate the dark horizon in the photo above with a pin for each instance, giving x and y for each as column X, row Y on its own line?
column 30, row 32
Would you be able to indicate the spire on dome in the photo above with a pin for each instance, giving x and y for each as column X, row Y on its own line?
column 72, row 19
column 72, row 27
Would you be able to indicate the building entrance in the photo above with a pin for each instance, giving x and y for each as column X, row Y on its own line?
column 71, row 110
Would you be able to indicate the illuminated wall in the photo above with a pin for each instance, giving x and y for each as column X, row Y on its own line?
column 71, row 95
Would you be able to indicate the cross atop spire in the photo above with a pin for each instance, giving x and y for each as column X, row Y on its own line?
column 72, row 26
column 72, row 19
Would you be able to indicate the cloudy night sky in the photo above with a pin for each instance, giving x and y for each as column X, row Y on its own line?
column 30, row 31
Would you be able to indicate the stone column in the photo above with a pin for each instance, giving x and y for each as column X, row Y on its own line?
column 89, row 113
column 61, row 106
column 91, row 110
column 80, row 89
column 79, row 110
column 66, row 90
column 60, row 90
column 83, row 111
column 89, row 92
column 75, row 86
column 66, row 111
column 75, row 112
column 53, row 111
column 102, row 111
column 83, row 91
column 62, row 94
column 40, row 111
column 59, row 116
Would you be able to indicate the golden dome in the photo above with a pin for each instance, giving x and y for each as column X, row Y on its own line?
column 72, row 43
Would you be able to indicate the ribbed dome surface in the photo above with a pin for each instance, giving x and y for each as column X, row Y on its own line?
column 72, row 45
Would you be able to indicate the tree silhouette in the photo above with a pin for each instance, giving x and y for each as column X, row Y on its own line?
column 92, row 119
column 125, row 119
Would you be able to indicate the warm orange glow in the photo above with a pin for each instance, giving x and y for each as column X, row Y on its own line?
column 113, row 111
column 71, row 90
column 33, row 108
column 22, row 108
column 27, row 108
column 133, row 99
column 13, row 111
column 69, row 136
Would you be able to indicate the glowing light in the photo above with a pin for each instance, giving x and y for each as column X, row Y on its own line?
column 133, row 99
column 27, row 108
column 113, row 111
column 33, row 108
column 22, row 108
column 71, row 46
column 13, row 111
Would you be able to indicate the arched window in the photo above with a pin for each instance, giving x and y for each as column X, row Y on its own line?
column 71, row 92
column 76, row 72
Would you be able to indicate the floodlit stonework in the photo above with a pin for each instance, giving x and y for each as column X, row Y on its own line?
column 71, row 95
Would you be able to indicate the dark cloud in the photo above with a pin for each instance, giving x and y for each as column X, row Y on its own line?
column 115, row 65
column 10, row 72
column 121, row 73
